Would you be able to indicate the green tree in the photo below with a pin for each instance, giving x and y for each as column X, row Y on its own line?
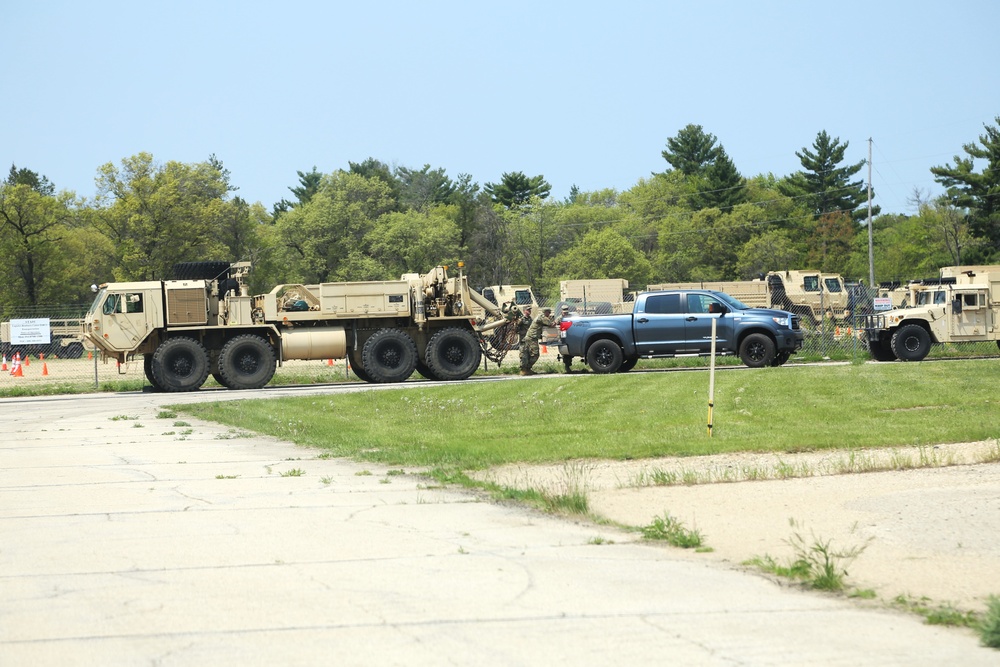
column 158, row 215
column 308, row 186
column 372, row 168
column 824, row 186
column 322, row 235
column 423, row 188
column 516, row 189
column 772, row 250
column 714, row 177
column 415, row 241
column 32, row 226
column 603, row 254
column 977, row 193
column 33, row 180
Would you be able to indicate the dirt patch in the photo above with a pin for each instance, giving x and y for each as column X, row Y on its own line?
column 929, row 532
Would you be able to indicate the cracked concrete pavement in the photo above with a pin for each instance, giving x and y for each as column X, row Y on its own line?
column 128, row 540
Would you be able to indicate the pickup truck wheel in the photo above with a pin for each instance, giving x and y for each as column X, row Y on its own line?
column 147, row 368
column 604, row 356
column 757, row 350
column 781, row 357
column 453, row 354
column 246, row 362
column 389, row 355
column 180, row 364
column 911, row 342
column 628, row 364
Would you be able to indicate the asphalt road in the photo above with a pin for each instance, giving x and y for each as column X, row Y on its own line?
column 132, row 538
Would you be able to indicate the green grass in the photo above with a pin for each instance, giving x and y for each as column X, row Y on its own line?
column 473, row 426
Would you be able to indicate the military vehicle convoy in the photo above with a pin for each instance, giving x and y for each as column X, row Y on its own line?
column 963, row 305
column 809, row 294
column 602, row 296
column 205, row 323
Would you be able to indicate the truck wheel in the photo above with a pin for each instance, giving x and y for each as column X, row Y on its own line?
column 881, row 351
column 453, row 354
column 147, row 368
column 246, row 362
column 757, row 350
column 604, row 356
column 358, row 368
column 72, row 351
column 426, row 371
column 200, row 270
column 781, row 357
column 628, row 363
column 911, row 342
column 389, row 355
column 180, row 364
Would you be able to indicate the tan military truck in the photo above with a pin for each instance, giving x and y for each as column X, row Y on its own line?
column 810, row 294
column 207, row 323
column 963, row 305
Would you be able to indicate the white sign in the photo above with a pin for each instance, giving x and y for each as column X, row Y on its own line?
column 30, row 332
column 882, row 303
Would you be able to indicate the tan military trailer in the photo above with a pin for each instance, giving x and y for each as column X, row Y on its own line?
column 963, row 305
column 601, row 296
column 810, row 294
column 205, row 322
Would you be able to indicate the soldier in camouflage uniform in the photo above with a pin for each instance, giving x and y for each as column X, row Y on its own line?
column 529, row 341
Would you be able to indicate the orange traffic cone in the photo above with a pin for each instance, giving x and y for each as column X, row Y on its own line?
column 90, row 355
column 15, row 370
column 4, row 367
column 329, row 362
column 45, row 368
column 27, row 360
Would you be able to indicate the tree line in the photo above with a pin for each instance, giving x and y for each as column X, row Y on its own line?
column 698, row 219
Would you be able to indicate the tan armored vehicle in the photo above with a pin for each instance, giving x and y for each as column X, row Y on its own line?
column 810, row 294
column 963, row 305
column 205, row 323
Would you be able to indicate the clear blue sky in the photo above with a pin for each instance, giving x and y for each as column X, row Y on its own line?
column 585, row 93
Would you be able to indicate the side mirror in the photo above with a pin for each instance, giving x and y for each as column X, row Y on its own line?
column 716, row 308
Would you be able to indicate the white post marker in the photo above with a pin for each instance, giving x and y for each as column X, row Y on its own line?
column 711, row 379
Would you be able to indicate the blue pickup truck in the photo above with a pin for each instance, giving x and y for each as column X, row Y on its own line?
column 670, row 323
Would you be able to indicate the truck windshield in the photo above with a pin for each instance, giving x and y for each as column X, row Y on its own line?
column 833, row 285
column 97, row 299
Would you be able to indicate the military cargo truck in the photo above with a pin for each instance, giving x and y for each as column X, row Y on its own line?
column 207, row 323
column 809, row 294
column 601, row 296
column 963, row 305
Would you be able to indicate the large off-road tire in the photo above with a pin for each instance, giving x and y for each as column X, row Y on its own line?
column 246, row 362
column 180, row 364
column 604, row 356
column 453, row 354
column 881, row 351
column 628, row 363
column 358, row 368
column 757, row 350
column 389, row 355
column 911, row 342
column 781, row 357
column 147, row 368
column 200, row 270
column 426, row 371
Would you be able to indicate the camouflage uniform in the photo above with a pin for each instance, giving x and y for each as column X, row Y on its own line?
column 529, row 341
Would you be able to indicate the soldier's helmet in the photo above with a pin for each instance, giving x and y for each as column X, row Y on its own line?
column 547, row 311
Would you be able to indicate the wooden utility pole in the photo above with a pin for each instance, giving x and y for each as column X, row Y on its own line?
column 871, row 245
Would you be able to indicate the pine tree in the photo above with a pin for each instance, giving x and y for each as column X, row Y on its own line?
column 824, row 186
column 716, row 181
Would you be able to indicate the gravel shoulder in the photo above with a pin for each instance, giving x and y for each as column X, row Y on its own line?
column 929, row 533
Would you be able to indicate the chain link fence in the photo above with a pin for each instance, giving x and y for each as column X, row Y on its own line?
column 68, row 364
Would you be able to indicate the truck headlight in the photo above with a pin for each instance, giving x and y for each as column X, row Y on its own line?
column 785, row 321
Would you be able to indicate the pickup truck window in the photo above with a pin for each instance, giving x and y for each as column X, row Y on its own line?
column 698, row 303
column 663, row 304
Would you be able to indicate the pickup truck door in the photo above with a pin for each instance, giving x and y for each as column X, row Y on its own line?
column 698, row 324
column 658, row 324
